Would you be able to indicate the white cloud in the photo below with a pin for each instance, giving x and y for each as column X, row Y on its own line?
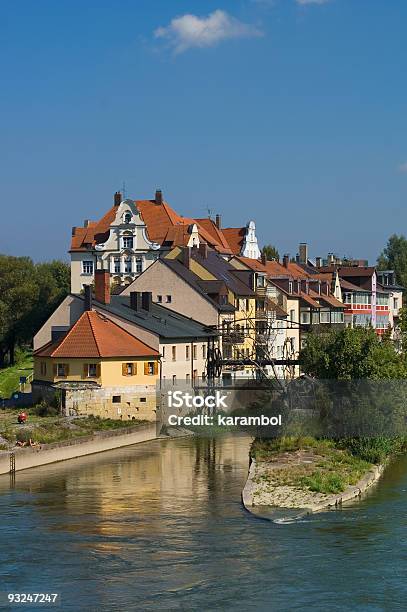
column 403, row 168
column 190, row 31
column 304, row 2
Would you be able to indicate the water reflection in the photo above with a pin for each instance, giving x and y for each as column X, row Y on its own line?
column 160, row 526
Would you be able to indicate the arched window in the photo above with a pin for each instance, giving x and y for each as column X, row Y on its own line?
column 127, row 217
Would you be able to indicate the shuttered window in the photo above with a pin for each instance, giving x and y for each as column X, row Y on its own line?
column 150, row 368
column 129, row 369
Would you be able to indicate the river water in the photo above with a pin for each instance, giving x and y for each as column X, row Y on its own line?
column 160, row 526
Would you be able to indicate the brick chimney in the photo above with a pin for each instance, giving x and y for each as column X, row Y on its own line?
column 158, row 197
column 88, row 297
column 264, row 259
column 203, row 250
column 303, row 252
column 135, row 300
column 102, row 286
column 117, row 198
column 286, row 259
column 218, row 221
column 146, row 300
column 186, row 257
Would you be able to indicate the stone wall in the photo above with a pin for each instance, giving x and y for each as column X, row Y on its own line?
column 122, row 403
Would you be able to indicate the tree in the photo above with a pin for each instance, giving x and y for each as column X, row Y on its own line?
column 349, row 354
column 394, row 257
column 270, row 252
column 28, row 294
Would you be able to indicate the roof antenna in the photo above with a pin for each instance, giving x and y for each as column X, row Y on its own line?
column 208, row 210
column 124, row 190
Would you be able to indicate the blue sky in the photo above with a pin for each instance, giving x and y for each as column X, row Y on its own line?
column 290, row 112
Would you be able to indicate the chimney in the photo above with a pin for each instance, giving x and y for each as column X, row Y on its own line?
column 158, row 197
column 264, row 259
column 102, row 286
column 218, row 221
column 297, row 258
column 318, row 261
column 303, row 250
column 135, row 300
column 203, row 250
column 286, row 259
column 74, row 230
column 186, row 256
column 86, row 223
column 88, row 297
column 117, row 198
column 146, row 300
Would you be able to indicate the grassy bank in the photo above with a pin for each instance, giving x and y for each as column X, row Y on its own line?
column 320, row 466
column 49, row 429
column 10, row 377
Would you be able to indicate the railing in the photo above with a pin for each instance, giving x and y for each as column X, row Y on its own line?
column 28, row 381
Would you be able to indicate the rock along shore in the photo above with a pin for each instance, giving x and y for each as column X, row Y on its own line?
column 258, row 492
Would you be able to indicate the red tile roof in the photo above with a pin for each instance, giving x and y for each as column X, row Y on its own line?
column 93, row 335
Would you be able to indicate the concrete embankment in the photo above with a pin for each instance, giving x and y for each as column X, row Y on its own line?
column 257, row 492
column 43, row 454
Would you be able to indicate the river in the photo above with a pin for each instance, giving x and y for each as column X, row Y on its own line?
column 160, row 526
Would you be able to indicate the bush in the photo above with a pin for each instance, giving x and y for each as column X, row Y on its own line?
column 43, row 409
column 373, row 450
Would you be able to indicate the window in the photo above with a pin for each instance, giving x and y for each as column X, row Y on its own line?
column 92, row 370
column 174, row 353
column 129, row 369
column 194, row 351
column 117, row 265
column 163, row 352
column 174, row 379
column 292, row 315
column 43, row 368
column 87, row 267
column 116, row 399
column 324, row 317
column 62, row 370
column 195, row 374
column 187, row 352
column 187, row 377
column 261, row 281
column 143, row 399
column 139, row 265
column 150, row 368
column 204, row 351
column 290, row 286
column 127, row 265
column 305, row 317
column 127, row 217
column 169, row 299
column 127, row 242
column 159, row 299
column 395, row 303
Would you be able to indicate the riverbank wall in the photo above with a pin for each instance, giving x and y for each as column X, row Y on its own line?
column 25, row 458
column 307, row 501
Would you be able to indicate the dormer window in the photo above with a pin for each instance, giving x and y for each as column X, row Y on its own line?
column 127, row 242
column 127, row 217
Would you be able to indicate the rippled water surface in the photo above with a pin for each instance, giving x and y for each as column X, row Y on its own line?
column 160, row 526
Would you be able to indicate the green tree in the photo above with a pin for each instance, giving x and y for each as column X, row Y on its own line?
column 394, row 257
column 351, row 354
column 28, row 294
column 270, row 252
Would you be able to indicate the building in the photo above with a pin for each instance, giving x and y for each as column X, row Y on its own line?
column 98, row 368
column 180, row 340
column 368, row 302
column 133, row 233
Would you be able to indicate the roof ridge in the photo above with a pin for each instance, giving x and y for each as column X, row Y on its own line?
column 89, row 312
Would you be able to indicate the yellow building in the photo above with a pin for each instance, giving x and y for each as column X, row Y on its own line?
column 98, row 368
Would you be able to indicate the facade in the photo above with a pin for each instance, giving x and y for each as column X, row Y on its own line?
column 180, row 341
column 368, row 302
column 98, row 368
column 133, row 233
